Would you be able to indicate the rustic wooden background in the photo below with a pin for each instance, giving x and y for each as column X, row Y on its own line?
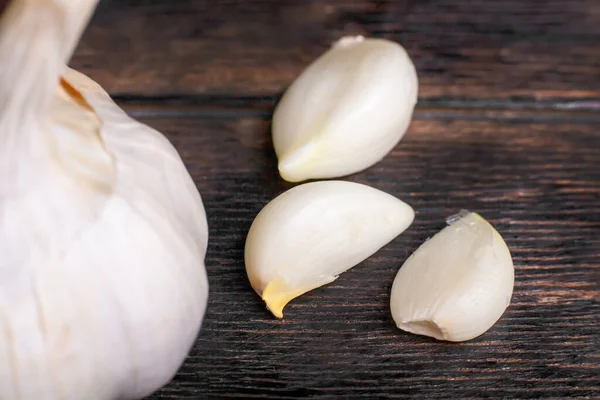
column 507, row 125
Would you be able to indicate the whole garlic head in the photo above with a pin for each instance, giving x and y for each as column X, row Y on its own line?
column 102, row 231
column 346, row 111
column 310, row 234
column 457, row 284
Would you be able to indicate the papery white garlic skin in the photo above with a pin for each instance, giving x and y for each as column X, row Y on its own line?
column 102, row 231
column 457, row 284
column 310, row 234
column 346, row 111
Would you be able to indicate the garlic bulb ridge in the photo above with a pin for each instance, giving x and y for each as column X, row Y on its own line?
column 102, row 231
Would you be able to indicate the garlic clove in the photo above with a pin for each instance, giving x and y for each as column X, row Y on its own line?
column 457, row 284
column 307, row 236
column 346, row 111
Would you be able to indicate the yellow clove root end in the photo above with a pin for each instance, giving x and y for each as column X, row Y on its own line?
column 277, row 294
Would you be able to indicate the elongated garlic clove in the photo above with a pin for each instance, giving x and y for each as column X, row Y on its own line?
column 346, row 111
column 457, row 284
column 310, row 234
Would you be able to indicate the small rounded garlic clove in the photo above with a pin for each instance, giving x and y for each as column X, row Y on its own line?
column 346, row 111
column 457, row 284
column 310, row 234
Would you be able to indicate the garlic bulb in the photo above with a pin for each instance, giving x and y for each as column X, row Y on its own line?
column 346, row 111
column 102, row 231
column 310, row 234
column 457, row 284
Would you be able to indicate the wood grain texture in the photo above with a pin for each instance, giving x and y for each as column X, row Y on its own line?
column 208, row 74
column 536, row 180
column 463, row 49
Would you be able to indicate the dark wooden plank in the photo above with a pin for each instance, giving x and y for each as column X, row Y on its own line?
column 465, row 49
column 537, row 182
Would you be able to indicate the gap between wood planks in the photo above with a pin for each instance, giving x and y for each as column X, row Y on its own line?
column 225, row 107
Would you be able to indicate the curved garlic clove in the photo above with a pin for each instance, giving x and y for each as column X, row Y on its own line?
column 310, row 234
column 457, row 284
column 346, row 111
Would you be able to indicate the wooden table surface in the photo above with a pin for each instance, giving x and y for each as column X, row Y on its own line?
column 507, row 125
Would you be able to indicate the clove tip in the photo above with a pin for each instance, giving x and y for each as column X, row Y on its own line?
column 276, row 295
column 349, row 40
